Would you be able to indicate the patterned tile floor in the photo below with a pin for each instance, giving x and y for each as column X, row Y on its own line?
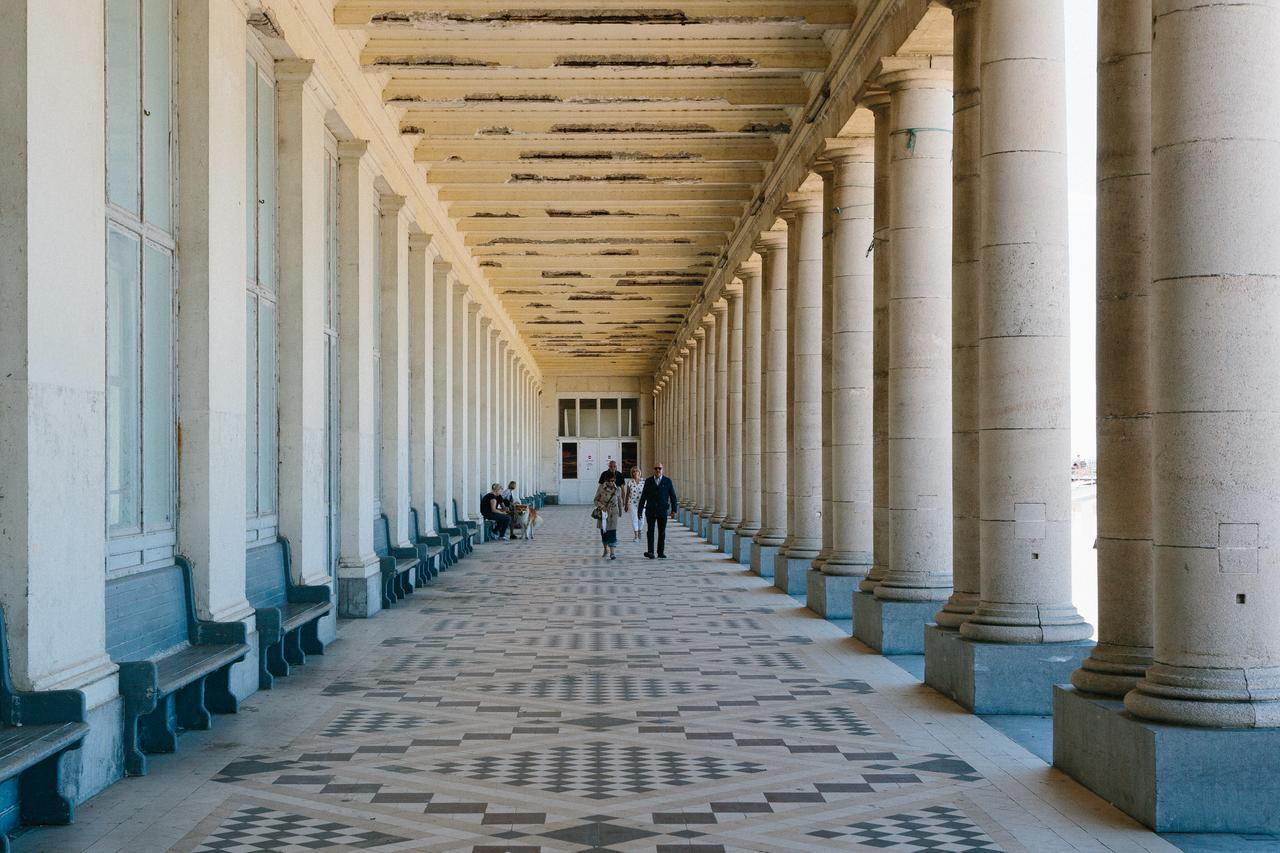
column 538, row 698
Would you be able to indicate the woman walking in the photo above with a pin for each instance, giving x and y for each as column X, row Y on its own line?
column 608, row 506
column 631, row 500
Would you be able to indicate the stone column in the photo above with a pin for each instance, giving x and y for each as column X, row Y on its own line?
column 462, row 347
column 772, row 247
column 852, row 365
column 302, row 101
column 804, row 385
column 359, row 578
column 966, row 283
column 750, row 301
column 648, row 431
column 681, row 417
column 469, row 499
column 733, row 447
column 720, row 433
column 394, row 349
column 825, row 170
column 1023, row 372
column 1125, row 598
column 697, row 422
column 918, row 578
column 211, row 405
column 881, row 529
column 422, row 381
column 485, row 472
column 443, row 448
column 52, row 372
column 707, row 451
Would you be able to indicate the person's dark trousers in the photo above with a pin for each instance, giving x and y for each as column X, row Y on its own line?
column 661, row 522
column 500, row 521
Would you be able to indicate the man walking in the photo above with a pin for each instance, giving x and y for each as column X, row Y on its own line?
column 659, row 495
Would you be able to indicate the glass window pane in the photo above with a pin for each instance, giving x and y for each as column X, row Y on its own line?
column 266, row 183
column 609, row 418
column 589, row 419
column 157, row 88
column 268, row 414
column 631, row 417
column 630, row 457
column 123, row 103
column 569, row 460
column 157, row 388
column 123, row 393
column 251, row 405
column 251, row 173
column 568, row 417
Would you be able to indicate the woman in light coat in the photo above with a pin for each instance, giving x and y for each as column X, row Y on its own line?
column 608, row 507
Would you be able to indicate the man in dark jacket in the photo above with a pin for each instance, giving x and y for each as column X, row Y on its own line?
column 659, row 495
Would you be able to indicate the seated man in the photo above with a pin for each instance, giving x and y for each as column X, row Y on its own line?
column 491, row 506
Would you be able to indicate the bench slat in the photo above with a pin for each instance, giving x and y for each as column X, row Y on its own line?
column 25, row 746
column 182, row 668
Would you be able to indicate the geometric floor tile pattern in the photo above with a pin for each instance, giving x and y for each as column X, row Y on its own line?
column 536, row 698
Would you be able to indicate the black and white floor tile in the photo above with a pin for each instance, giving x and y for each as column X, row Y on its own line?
column 536, row 698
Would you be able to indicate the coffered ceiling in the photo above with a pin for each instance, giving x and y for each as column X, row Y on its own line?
column 596, row 157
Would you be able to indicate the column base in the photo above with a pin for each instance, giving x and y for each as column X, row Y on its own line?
column 998, row 678
column 726, row 540
column 99, row 762
column 1171, row 778
column 742, row 546
column 713, row 532
column 704, row 526
column 891, row 627
column 762, row 557
column 831, row 596
column 359, row 598
column 790, row 574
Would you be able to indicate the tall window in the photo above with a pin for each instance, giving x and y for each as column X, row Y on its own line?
column 261, row 414
column 140, row 411
column 375, row 240
column 332, row 423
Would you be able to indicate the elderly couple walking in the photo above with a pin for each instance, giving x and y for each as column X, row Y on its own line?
column 658, row 495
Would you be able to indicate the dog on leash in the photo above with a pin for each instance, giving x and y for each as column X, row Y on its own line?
column 526, row 518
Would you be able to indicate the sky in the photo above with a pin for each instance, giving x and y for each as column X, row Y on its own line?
column 1082, row 76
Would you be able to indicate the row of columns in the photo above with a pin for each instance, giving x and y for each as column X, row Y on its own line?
column 912, row 454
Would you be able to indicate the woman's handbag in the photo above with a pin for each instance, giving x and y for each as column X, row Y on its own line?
column 595, row 513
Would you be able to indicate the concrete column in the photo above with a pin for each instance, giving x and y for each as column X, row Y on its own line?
column 1215, row 298
column 422, row 380
column 919, row 572
column 1125, row 598
column 881, row 530
column 476, row 484
column 966, row 284
column 394, row 349
column 772, row 247
column 824, row 169
column 442, row 345
column 720, row 429
column 1024, row 365
column 733, row 446
column 359, row 579
column 503, row 412
column 302, row 102
column 852, row 365
column 804, row 386
column 211, row 220
column 707, row 403
column 750, row 302
column 488, row 469
column 461, row 435
column 689, row 428
column 648, row 432
column 52, row 372
column 697, row 423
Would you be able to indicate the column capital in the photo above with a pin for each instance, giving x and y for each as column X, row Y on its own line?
column 846, row 149
column 708, row 320
column 773, row 239
column 698, row 334
column 419, row 240
column 876, row 100
column 897, row 79
column 302, row 74
column 732, row 291
column 719, row 309
column 352, row 149
column 806, row 199
column 751, row 266
column 390, row 203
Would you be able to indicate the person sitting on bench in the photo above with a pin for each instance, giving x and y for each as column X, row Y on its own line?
column 491, row 508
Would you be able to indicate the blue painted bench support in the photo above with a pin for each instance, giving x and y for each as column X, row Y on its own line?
column 289, row 614
column 399, row 565
column 470, row 529
column 456, row 539
column 430, row 551
column 174, row 668
column 37, row 730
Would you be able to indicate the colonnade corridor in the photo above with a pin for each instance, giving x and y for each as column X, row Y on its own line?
column 537, row 697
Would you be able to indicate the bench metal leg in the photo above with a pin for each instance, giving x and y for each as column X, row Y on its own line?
column 157, row 731
column 292, row 648
column 266, row 680
column 406, row 584
column 388, row 590
column 309, row 638
column 135, row 761
column 277, row 660
column 190, row 709
column 40, row 798
column 218, row 697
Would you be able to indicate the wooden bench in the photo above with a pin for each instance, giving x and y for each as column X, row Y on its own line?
column 454, row 533
column 289, row 614
column 431, row 552
column 174, row 668
column 37, row 730
column 470, row 529
column 399, row 565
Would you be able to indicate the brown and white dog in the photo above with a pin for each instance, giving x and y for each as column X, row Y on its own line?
column 526, row 518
